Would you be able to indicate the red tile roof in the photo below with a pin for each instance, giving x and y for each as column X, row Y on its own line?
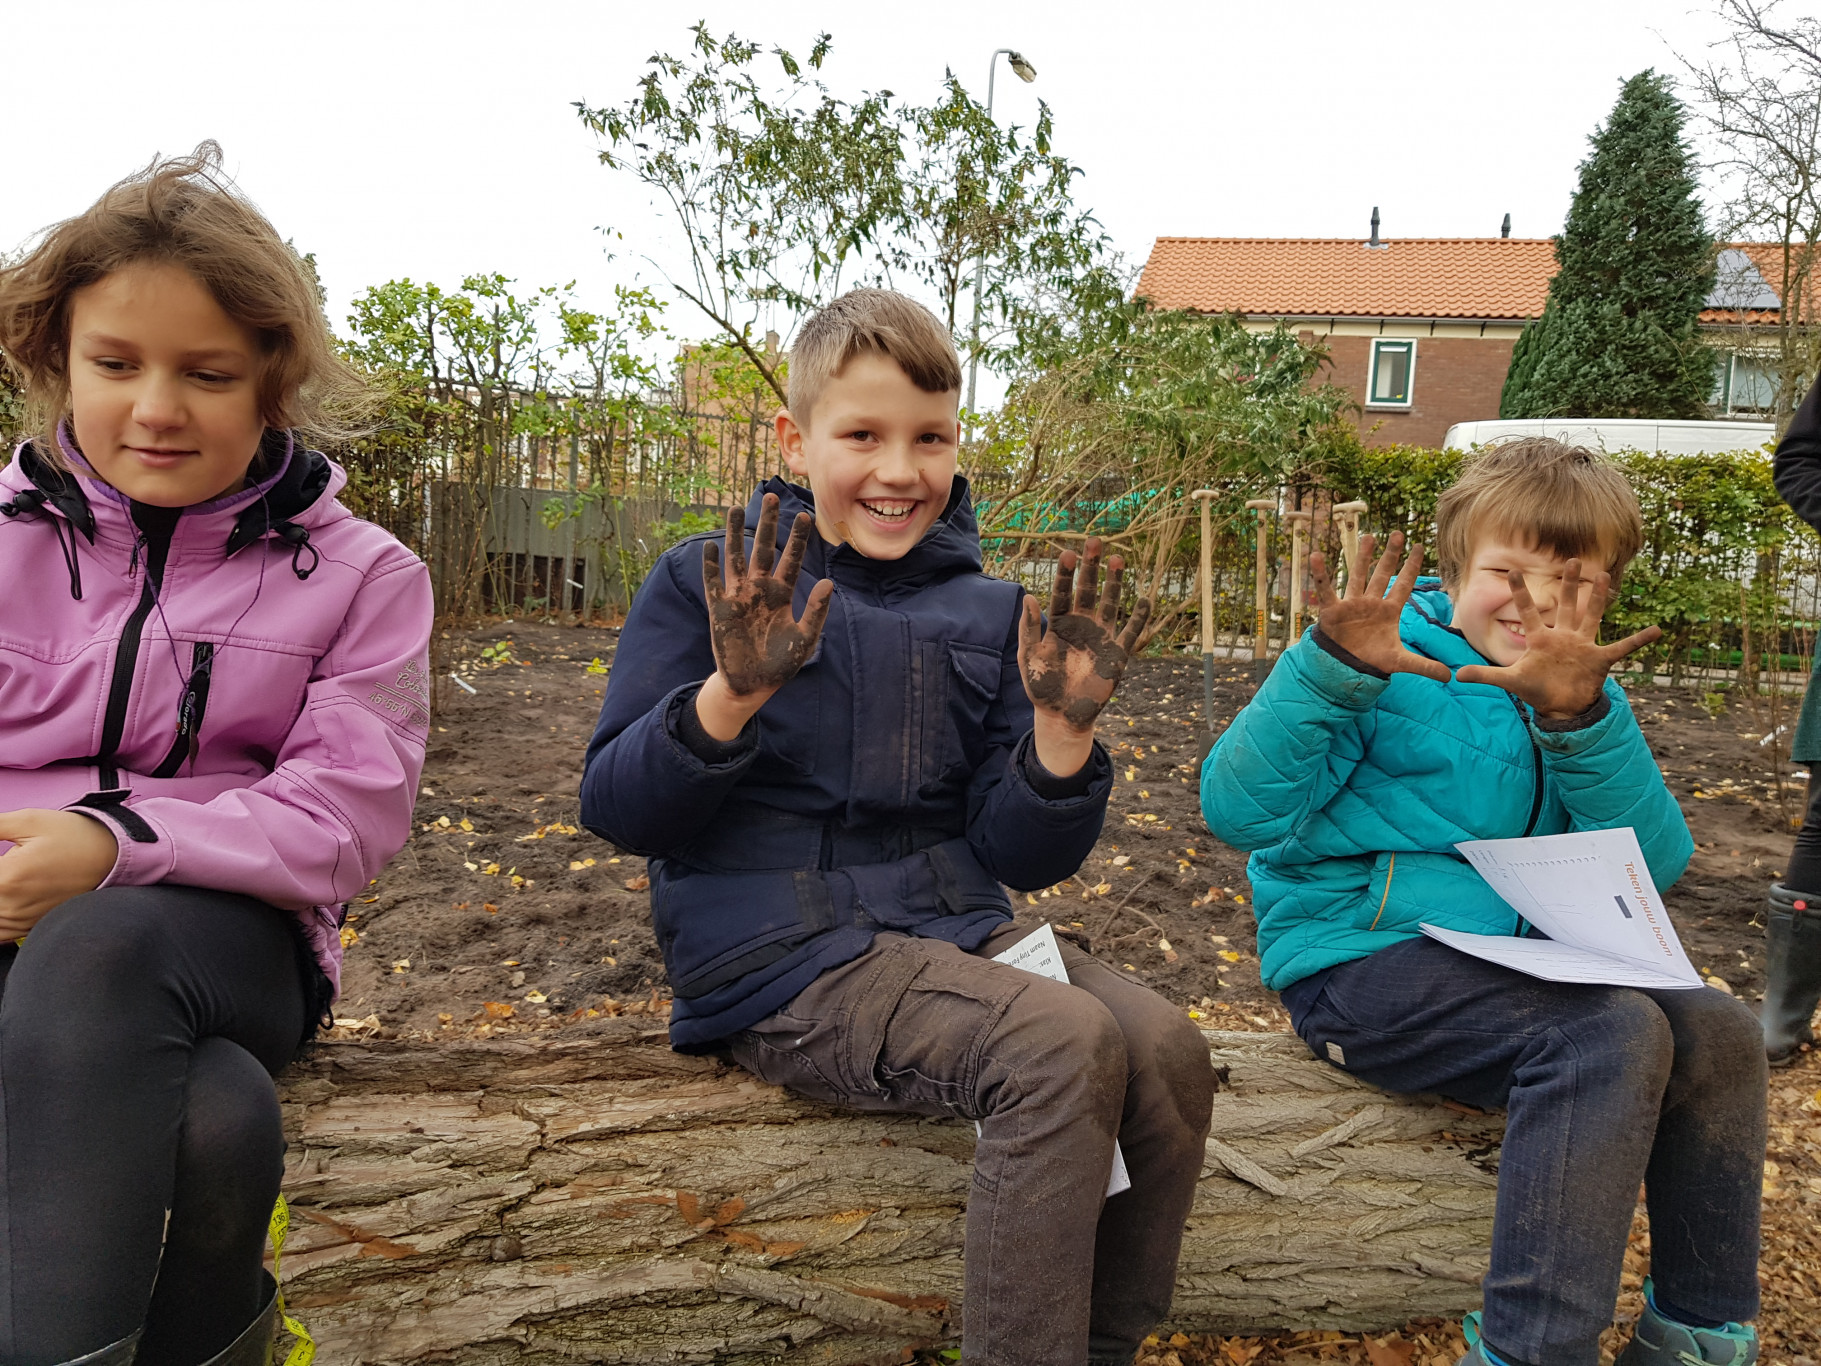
column 1320, row 277
column 1491, row 277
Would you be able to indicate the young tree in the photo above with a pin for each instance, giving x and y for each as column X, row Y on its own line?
column 785, row 195
column 776, row 190
column 1618, row 336
column 1760, row 96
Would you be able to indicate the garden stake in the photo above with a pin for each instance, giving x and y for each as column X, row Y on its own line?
column 1262, row 589
column 1204, row 740
column 1348, row 513
column 1299, row 544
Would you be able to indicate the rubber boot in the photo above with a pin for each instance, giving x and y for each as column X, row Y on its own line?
column 254, row 1346
column 1792, row 972
column 115, row 1354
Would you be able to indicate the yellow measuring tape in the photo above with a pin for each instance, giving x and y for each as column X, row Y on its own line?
column 303, row 1350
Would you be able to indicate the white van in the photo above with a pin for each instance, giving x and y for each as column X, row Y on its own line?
column 1619, row 434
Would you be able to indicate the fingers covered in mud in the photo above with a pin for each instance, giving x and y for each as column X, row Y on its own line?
column 1071, row 669
column 758, row 642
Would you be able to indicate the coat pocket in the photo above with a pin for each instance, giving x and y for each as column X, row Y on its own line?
column 961, row 683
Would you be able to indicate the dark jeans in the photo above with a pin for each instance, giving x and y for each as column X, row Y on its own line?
column 1804, row 872
column 1056, row 1273
column 1604, row 1088
column 139, row 1029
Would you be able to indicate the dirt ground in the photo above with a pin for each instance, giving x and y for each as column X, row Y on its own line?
column 503, row 915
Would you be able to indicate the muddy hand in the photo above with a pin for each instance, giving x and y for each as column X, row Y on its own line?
column 758, row 643
column 1563, row 667
column 1071, row 669
column 1364, row 623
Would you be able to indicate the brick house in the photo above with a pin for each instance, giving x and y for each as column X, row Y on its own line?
column 1420, row 331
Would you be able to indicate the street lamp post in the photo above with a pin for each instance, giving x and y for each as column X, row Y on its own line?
column 1026, row 73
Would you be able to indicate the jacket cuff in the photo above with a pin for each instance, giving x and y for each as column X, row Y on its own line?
column 1355, row 686
column 1047, row 785
column 144, row 854
column 1344, row 655
column 715, row 753
column 1554, row 725
column 1092, row 783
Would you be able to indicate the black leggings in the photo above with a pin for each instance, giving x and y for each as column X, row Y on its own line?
column 139, row 1031
column 1804, row 871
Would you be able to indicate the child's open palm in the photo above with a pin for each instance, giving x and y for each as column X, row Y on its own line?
column 758, row 642
column 1071, row 669
column 1364, row 621
column 1564, row 666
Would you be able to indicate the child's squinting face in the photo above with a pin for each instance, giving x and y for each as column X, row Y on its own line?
column 1485, row 611
column 879, row 454
column 163, row 387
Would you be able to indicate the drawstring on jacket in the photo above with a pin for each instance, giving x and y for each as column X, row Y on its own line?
column 298, row 538
column 33, row 500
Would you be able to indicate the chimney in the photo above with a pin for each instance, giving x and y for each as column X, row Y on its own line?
column 1505, row 227
column 1375, row 243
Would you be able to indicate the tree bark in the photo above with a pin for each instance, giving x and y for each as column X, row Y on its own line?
column 592, row 1196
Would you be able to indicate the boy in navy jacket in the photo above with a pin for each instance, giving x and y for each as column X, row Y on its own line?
column 832, row 773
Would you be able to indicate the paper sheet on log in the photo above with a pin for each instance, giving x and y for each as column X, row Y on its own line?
column 1037, row 952
column 1592, row 894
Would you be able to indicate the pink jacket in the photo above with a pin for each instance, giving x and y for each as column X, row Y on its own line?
column 239, row 691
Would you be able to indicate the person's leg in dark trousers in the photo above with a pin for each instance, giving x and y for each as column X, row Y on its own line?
column 100, row 1023
column 1601, row 1085
column 917, row 1025
column 1163, row 1132
column 230, row 1164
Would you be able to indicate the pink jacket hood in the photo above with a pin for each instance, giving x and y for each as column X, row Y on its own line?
column 239, row 690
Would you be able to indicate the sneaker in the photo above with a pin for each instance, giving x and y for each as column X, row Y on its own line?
column 1478, row 1354
column 1658, row 1341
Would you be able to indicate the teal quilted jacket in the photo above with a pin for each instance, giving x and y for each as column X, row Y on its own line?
column 1350, row 791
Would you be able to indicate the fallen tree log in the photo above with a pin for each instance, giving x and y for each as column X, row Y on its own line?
column 593, row 1196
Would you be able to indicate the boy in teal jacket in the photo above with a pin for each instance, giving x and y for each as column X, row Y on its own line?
column 1422, row 712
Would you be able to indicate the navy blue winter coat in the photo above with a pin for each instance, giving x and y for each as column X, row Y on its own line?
column 890, row 784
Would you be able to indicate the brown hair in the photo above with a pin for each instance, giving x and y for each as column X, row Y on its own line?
column 1567, row 500
column 182, row 211
column 881, row 321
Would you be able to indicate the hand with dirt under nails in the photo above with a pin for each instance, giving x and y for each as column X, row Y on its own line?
column 1071, row 669
column 1364, row 622
column 758, row 642
column 1563, row 668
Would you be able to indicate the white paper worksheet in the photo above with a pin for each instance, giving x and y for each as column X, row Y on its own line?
column 1591, row 893
column 1037, row 952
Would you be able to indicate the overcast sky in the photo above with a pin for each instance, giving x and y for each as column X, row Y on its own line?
column 401, row 138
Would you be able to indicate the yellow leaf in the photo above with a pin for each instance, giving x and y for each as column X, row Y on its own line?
column 575, row 864
column 348, row 937
column 491, row 870
column 443, row 821
column 1121, row 860
column 1131, row 775
column 536, row 997
column 472, row 867
column 401, row 965
column 467, row 824
column 1228, row 954
column 1144, row 794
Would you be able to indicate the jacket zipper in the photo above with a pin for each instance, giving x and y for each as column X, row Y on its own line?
column 1536, row 793
column 157, row 538
column 190, row 710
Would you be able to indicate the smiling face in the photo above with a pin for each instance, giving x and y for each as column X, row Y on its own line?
column 163, row 387
column 1485, row 611
column 879, row 454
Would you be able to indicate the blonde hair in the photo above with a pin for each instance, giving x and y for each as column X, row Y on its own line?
column 882, row 322
column 1537, row 491
column 183, row 212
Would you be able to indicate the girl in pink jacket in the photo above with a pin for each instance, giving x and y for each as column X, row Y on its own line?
column 213, row 705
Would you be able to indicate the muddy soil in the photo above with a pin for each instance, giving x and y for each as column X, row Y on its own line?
column 502, row 898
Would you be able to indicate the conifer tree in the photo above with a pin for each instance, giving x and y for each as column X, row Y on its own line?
column 1618, row 336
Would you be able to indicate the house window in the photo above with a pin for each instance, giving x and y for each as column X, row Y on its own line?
column 1393, row 368
column 1744, row 383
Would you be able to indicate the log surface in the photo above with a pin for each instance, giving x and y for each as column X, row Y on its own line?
column 596, row 1197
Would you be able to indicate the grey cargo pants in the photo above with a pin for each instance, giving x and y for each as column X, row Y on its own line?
column 1057, row 1274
